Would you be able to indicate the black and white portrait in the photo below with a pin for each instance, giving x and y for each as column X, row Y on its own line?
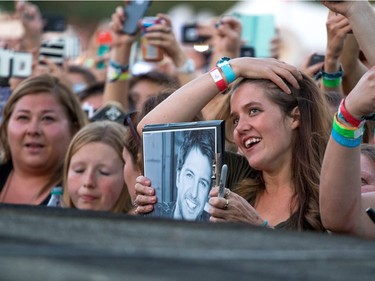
column 180, row 164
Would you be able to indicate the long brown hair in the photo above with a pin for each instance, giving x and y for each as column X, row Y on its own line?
column 308, row 146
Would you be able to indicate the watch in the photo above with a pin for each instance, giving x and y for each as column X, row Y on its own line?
column 187, row 68
column 225, row 67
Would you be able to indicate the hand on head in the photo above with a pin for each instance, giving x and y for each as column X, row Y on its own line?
column 271, row 69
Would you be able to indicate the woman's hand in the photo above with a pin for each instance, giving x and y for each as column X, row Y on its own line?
column 232, row 208
column 310, row 70
column 116, row 26
column 343, row 7
column 162, row 36
column 269, row 68
column 226, row 40
column 337, row 28
column 145, row 199
column 361, row 100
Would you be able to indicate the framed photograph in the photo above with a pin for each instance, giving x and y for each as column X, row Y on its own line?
column 183, row 161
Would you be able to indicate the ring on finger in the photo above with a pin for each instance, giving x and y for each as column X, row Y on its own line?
column 226, row 204
column 135, row 203
column 227, row 192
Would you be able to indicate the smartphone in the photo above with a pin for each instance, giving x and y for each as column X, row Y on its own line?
column 258, row 30
column 18, row 64
column 190, row 34
column 54, row 50
column 316, row 58
column 371, row 213
column 223, row 180
column 134, row 11
column 247, row 51
column 54, row 23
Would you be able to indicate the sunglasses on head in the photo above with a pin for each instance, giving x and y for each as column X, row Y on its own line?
column 129, row 121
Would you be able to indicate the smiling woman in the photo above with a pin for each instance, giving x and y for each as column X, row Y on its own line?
column 281, row 125
column 39, row 120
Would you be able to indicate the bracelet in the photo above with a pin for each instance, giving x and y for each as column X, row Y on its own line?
column 225, row 67
column 218, row 79
column 328, row 75
column 116, row 74
column 347, row 142
column 344, row 114
column 122, row 67
column 352, row 133
column 331, row 83
column 265, row 223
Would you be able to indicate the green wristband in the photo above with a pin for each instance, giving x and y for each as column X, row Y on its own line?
column 331, row 83
column 346, row 132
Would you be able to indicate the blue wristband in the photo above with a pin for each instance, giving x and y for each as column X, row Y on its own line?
column 226, row 69
column 122, row 67
column 347, row 142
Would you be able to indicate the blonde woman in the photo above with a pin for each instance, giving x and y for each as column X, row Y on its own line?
column 93, row 170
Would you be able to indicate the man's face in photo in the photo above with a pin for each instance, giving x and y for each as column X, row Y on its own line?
column 193, row 183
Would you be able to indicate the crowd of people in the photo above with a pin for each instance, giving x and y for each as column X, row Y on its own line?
column 299, row 140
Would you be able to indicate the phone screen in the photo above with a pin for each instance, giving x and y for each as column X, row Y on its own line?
column 258, row 32
column 316, row 58
column 134, row 11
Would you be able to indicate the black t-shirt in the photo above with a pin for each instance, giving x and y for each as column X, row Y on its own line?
column 5, row 170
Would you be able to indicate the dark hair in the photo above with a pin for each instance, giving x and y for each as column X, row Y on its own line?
column 333, row 98
column 169, row 83
column 157, row 77
column 87, row 75
column 203, row 140
column 308, row 142
column 96, row 88
column 132, row 143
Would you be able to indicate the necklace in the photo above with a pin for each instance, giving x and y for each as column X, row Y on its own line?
column 6, row 187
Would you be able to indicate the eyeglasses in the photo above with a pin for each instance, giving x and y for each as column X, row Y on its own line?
column 130, row 121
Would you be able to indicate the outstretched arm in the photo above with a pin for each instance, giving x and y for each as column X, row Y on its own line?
column 116, row 87
column 361, row 17
column 341, row 205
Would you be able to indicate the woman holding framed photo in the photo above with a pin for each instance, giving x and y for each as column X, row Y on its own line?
column 281, row 125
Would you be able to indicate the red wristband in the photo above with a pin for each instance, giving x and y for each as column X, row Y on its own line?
column 218, row 79
column 347, row 116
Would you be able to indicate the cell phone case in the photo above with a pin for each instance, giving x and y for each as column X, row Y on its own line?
column 133, row 13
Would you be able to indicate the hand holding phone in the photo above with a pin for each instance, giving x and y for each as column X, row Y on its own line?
column 133, row 12
column 316, row 58
column 223, row 180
